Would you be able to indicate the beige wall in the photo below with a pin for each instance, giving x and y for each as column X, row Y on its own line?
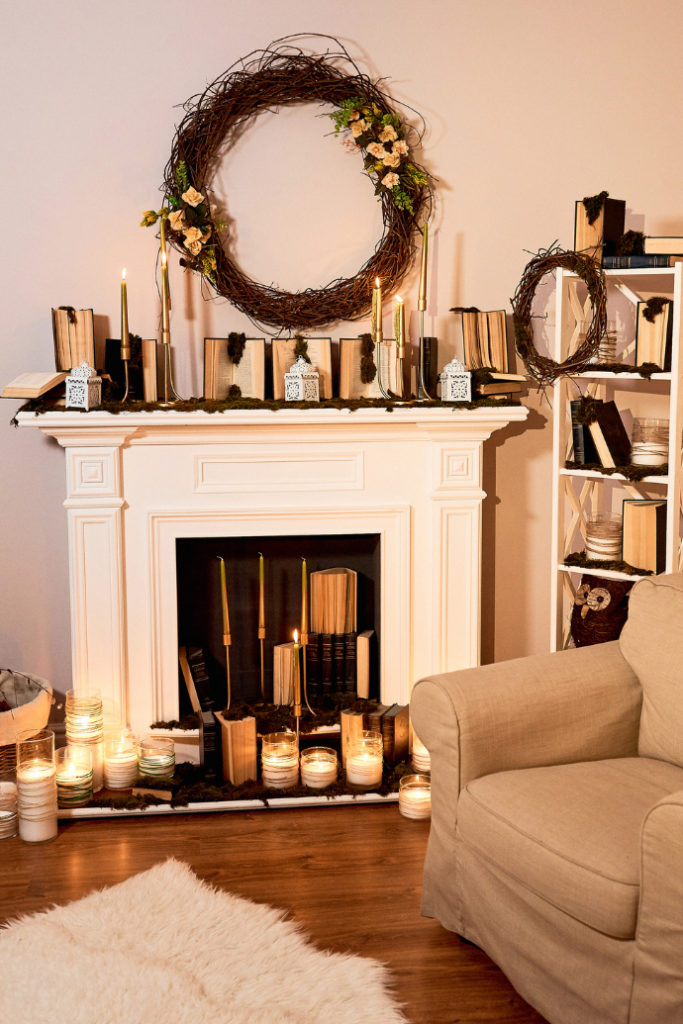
column 530, row 104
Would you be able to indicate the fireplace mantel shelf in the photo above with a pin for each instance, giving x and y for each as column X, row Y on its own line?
column 139, row 482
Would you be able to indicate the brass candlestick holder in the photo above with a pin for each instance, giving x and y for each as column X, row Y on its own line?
column 227, row 639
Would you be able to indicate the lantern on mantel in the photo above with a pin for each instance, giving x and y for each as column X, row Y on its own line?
column 83, row 388
column 302, row 383
column 456, row 382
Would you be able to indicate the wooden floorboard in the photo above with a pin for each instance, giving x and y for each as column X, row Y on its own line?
column 351, row 876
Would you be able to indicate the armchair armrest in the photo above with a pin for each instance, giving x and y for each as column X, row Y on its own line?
column 658, row 967
column 576, row 705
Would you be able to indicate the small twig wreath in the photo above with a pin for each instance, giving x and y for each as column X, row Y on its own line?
column 283, row 75
column 542, row 368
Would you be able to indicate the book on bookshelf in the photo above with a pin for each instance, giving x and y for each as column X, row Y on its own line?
column 653, row 337
column 333, row 600
column 73, row 332
column 338, row 646
column 350, row 384
column 612, row 443
column 664, row 245
column 320, row 355
column 644, row 533
column 584, row 450
column 601, row 237
column 374, row 717
column 313, row 663
column 485, row 339
column 350, row 658
column 33, row 385
column 639, row 262
column 222, row 372
column 363, row 662
column 326, row 664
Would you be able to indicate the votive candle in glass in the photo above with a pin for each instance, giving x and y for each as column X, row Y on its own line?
column 36, row 785
column 650, row 442
column 156, row 757
column 9, row 815
column 364, row 759
column 74, row 776
column 121, row 753
column 280, row 760
column 422, row 762
column 318, row 767
column 415, row 796
column 603, row 537
column 85, row 726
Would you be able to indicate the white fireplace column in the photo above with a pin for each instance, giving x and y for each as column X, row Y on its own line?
column 137, row 482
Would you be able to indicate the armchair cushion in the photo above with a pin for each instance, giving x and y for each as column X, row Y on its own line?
column 652, row 644
column 570, row 833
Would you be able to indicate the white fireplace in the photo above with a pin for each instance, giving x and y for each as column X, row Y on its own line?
column 137, row 482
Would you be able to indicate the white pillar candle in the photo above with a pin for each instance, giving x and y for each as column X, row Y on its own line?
column 415, row 797
column 156, row 757
column 364, row 759
column 318, row 767
column 280, row 760
column 85, row 727
column 422, row 762
column 120, row 763
column 37, row 801
column 74, row 776
column 649, row 453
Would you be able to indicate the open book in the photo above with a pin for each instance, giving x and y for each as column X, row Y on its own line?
column 220, row 372
column 350, row 383
column 32, row 385
column 74, row 337
column 320, row 354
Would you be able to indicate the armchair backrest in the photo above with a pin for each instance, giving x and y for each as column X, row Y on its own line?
column 652, row 644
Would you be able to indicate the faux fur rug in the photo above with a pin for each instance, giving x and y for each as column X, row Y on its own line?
column 165, row 948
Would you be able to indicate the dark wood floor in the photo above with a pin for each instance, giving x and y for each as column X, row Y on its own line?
column 351, row 876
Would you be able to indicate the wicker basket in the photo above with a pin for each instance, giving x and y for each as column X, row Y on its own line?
column 33, row 715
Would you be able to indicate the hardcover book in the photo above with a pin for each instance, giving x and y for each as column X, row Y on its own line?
column 667, row 245
column 73, row 332
column 374, row 717
column 320, row 355
column 33, row 385
column 430, row 367
column 333, row 600
column 609, row 434
column 485, row 340
column 222, row 372
column 396, row 734
column 338, row 645
column 585, row 452
column 363, row 663
column 350, row 384
column 644, row 534
column 653, row 337
column 639, row 262
column 350, row 645
column 313, row 682
column 326, row 663
column 283, row 673
column 601, row 237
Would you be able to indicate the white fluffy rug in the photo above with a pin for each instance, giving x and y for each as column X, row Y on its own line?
column 165, row 948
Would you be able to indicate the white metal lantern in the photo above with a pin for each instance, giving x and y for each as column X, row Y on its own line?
column 456, row 382
column 83, row 388
column 302, row 383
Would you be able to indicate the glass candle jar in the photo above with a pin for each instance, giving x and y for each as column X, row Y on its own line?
column 318, row 767
column 156, row 757
column 280, row 760
column 422, row 762
column 9, row 816
column 36, row 786
column 415, row 796
column 74, row 776
column 121, row 752
column 603, row 536
column 650, row 442
column 364, row 757
column 85, row 725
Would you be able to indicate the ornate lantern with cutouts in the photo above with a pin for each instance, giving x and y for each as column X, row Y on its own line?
column 83, row 388
column 456, row 382
column 302, row 383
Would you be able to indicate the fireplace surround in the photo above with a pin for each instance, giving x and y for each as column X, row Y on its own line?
column 139, row 483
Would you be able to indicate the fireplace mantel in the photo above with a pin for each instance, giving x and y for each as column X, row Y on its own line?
column 136, row 482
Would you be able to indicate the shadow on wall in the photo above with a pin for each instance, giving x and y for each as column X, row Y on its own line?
column 515, row 537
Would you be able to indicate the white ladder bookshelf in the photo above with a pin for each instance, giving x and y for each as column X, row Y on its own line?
column 577, row 492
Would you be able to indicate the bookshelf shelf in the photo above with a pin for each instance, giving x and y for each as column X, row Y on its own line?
column 578, row 493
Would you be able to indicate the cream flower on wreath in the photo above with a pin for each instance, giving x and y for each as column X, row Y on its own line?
column 194, row 247
column 177, row 220
column 192, row 235
column 358, row 127
column 400, row 147
column 388, row 134
column 354, row 115
column 392, row 160
column 205, row 237
column 377, row 150
column 390, row 180
column 192, row 197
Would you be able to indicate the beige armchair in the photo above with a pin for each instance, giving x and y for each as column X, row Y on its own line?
column 557, row 827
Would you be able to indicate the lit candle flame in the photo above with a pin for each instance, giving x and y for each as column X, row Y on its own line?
column 399, row 299
column 123, row 274
column 163, row 257
column 296, row 637
column 376, row 282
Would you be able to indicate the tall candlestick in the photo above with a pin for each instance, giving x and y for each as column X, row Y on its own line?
column 226, row 626
column 297, row 682
column 304, row 628
column 125, row 336
column 400, row 332
column 165, row 301
column 422, row 305
column 377, row 300
column 377, row 335
column 262, row 621
column 422, row 300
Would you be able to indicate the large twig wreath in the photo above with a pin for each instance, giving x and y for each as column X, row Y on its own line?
column 585, row 266
column 283, row 75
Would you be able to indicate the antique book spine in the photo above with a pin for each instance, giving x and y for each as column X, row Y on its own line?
column 313, row 681
column 239, row 749
column 374, row 717
column 396, row 733
column 326, row 666
column 350, row 641
column 338, row 644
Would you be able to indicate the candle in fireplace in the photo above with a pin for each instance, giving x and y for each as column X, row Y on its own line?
column 74, row 776
column 415, row 796
column 297, row 683
column 280, row 760
column 364, row 757
column 318, row 767
column 120, row 761
column 85, row 727
column 226, row 627
column 262, row 621
column 157, row 757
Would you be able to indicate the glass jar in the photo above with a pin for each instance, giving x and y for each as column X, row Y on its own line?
column 156, row 757
column 422, row 762
column 36, row 785
column 415, row 796
column 9, row 815
column 364, row 758
column 650, row 442
column 121, row 752
column 280, row 760
column 603, row 537
column 318, row 767
column 85, row 725
column 74, row 776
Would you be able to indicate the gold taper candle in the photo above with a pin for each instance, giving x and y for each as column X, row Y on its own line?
column 224, row 600
column 165, row 328
column 304, row 598
column 400, row 326
column 378, row 310
column 261, row 594
column 125, row 336
column 422, row 300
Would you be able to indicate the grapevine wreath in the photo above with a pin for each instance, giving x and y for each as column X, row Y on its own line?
column 283, row 75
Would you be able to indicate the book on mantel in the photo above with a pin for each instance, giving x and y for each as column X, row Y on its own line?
column 33, row 385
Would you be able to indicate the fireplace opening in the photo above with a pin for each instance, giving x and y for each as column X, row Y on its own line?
column 200, row 623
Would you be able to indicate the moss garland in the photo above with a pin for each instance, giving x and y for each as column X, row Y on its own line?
column 644, row 369
column 578, row 559
column 631, row 472
column 187, row 723
column 593, row 205
column 277, row 717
